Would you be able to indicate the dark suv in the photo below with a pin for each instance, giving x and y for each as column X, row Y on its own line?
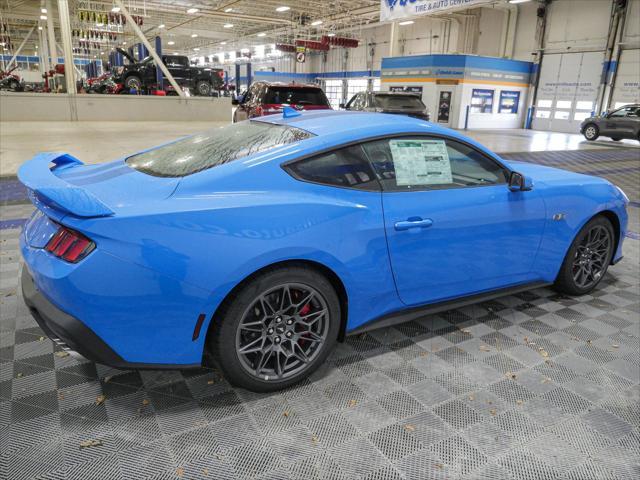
column 617, row 124
column 389, row 102
column 142, row 75
column 266, row 98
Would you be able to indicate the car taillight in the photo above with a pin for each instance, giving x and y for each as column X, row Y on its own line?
column 69, row 245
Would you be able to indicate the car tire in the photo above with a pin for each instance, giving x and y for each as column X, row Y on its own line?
column 203, row 88
column 588, row 258
column 14, row 85
column 263, row 340
column 133, row 82
column 591, row 132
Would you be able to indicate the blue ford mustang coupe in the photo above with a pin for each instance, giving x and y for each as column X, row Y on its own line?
column 265, row 242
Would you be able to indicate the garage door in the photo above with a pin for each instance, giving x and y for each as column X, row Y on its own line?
column 567, row 90
column 627, row 87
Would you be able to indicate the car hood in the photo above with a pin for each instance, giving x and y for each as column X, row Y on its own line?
column 125, row 54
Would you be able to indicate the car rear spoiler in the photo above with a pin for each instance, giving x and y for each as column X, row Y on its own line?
column 54, row 192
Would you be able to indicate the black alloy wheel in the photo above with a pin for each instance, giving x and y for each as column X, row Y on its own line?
column 592, row 257
column 203, row 88
column 133, row 83
column 588, row 258
column 276, row 329
column 282, row 331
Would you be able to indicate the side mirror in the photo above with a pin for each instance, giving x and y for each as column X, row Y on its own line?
column 342, row 105
column 519, row 182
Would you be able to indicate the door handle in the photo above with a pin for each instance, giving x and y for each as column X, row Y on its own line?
column 413, row 222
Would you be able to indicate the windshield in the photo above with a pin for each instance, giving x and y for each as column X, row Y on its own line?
column 214, row 147
column 391, row 102
column 296, row 96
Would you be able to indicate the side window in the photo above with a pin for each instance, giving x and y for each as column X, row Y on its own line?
column 619, row 113
column 424, row 163
column 347, row 167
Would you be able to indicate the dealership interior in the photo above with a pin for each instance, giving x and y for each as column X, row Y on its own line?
column 534, row 384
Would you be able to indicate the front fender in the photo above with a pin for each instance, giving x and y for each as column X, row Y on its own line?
column 569, row 208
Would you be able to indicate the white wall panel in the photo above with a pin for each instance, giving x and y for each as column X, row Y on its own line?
column 577, row 24
column 627, row 86
column 567, row 90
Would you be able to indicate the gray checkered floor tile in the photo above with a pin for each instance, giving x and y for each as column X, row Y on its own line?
column 534, row 386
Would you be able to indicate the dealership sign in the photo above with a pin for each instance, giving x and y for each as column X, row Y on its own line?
column 397, row 9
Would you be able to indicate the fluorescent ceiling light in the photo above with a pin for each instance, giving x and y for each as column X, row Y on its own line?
column 407, row 22
column 261, row 34
column 124, row 43
column 227, row 10
column 171, row 42
column 192, row 10
column 39, row 28
column 194, row 35
column 519, row 1
column 101, row 53
column 43, row 17
column 317, row 22
column 283, row 9
column 228, row 25
column 115, row 9
column 223, row 43
column 196, row 49
column 161, row 25
column 43, row 10
column 99, row 24
column 331, row 34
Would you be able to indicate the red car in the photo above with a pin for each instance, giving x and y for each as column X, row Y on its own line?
column 267, row 98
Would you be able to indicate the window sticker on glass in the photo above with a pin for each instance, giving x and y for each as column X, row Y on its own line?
column 421, row 162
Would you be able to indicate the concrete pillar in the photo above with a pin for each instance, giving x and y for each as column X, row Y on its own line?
column 51, row 40
column 67, row 47
column 42, row 54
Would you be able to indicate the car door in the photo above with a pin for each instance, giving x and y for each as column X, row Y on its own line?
column 627, row 124
column 243, row 110
column 453, row 227
column 178, row 67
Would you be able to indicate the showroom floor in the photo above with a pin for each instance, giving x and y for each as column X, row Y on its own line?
column 536, row 386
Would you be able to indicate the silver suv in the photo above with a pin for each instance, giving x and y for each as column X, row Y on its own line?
column 617, row 124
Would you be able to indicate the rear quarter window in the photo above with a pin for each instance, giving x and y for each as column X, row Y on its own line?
column 295, row 96
column 214, row 147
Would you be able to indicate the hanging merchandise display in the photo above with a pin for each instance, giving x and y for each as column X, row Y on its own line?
column 94, row 34
column 110, row 18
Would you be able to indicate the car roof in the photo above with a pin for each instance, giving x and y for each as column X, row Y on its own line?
column 356, row 124
column 400, row 94
column 289, row 85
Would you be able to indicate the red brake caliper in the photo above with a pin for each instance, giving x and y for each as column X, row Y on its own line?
column 303, row 311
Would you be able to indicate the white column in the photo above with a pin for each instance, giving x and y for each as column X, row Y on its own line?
column 51, row 36
column 393, row 39
column 67, row 47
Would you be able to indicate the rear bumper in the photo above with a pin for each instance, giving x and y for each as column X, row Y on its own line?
column 73, row 335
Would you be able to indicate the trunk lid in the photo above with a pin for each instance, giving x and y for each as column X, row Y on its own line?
column 60, row 185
